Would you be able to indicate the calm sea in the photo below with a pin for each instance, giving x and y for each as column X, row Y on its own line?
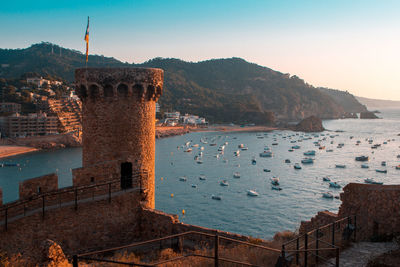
column 262, row 216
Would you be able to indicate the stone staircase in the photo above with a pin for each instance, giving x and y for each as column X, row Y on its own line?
column 360, row 253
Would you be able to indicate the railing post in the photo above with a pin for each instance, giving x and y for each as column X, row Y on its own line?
column 6, row 220
column 283, row 255
column 297, row 252
column 355, row 228
column 76, row 199
column 333, row 233
column 43, row 207
column 305, row 248
column 109, row 192
column 337, row 257
column 75, row 261
column 216, row 259
column 316, row 245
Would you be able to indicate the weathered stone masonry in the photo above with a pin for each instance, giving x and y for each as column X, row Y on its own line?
column 119, row 120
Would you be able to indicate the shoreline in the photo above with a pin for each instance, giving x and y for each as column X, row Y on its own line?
column 8, row 151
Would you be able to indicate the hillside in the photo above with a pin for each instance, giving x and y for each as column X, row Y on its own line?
column 222, row 90
column 378, row 103
column 343, row 98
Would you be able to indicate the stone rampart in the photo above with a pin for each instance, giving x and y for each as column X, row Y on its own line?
column 42, row 184
column 321, row 219
column 376, row 207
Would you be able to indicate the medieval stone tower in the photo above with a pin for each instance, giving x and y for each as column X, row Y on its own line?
column 118, row 121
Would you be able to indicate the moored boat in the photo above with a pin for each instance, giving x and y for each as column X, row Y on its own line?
column 252, row 193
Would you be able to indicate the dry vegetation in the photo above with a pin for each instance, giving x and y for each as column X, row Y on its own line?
column 227, row 249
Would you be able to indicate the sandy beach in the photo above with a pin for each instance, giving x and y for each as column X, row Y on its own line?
column 9, row 151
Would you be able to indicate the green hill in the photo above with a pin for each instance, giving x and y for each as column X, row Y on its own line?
column 222, row 90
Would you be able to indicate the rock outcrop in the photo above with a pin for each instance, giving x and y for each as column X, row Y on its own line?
column 368, row 115
column 310, row 124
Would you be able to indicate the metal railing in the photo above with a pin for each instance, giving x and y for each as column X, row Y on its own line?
column 321, row 243
column 69, row 196
column 176, row 241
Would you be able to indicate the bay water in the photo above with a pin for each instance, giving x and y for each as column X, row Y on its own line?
column 271, row 211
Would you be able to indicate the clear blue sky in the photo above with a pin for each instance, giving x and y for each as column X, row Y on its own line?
column 350, row 45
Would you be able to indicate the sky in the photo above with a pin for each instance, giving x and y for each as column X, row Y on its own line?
column 351, row 45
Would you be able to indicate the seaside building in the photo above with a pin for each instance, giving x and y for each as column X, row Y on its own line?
column 8, row 107
column 33, row 124
column 39, row 81
column 193, row 119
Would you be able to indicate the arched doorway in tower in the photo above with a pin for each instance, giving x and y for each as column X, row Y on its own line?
column 126, row 175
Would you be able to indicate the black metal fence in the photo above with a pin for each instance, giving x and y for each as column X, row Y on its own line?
column 213, row 253
column 321, row 244
column 69, row 196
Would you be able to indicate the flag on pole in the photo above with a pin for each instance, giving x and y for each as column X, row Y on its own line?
column 87, row 40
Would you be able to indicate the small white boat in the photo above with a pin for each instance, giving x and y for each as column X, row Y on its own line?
column 309, row 153
column 334, row 185
column 216, row 197
column 341, row 166
column 307, row 161
column 327, row 195
column 371, row 181
column 183, row 179
column 224, row 183
column 202, row 177
column 244, row 148
column 252, row 193
column 297, row 166
column 236, row 175
column 199, row 161
column 364, row 166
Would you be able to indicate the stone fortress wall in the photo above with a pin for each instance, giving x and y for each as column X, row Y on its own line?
column 376, row 208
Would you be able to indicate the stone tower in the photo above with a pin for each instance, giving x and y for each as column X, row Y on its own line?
column 118, row 120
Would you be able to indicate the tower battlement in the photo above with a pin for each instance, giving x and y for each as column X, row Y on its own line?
column 94, row 84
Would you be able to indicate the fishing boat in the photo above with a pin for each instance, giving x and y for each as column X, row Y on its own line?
column 224, row 183
column 297, row 166
column 309, row 153
column 334, row 185
column 275, row 180
column 252, row 193
column 362, row 158
column 327, row 195
column 371, row 181
column 236, row 175
column 202, row 177
column 307, row 161
column 216, row 197
column 276, row 187
column 266, row 154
